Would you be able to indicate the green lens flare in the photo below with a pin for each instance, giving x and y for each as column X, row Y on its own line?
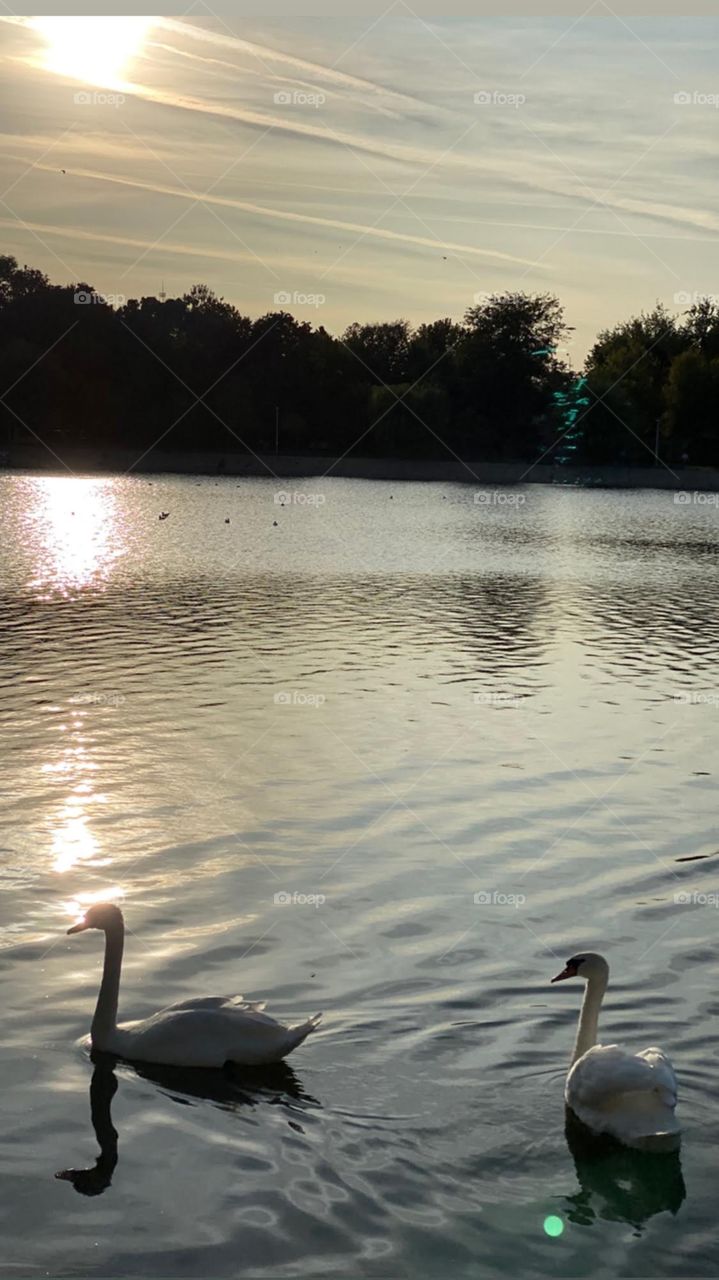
column 553, row 1225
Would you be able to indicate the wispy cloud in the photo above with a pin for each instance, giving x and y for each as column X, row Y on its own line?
column 360, row 162
column 267, row 56
column 288, row 215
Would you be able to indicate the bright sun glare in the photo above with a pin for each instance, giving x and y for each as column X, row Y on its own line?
column 94, row 50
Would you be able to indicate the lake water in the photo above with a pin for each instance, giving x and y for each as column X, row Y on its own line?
column 297, row 753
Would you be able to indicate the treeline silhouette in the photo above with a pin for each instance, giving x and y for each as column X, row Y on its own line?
column 194, row 373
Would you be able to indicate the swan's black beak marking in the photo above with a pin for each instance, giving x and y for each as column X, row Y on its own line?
column 78, row 928
column 569, row 971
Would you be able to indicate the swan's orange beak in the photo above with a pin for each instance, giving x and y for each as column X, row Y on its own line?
column 78, row 928
column 568, row 972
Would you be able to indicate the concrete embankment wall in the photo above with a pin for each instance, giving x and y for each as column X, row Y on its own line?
column 473, row 472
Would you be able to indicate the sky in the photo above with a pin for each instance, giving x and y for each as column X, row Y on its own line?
column 369, row 169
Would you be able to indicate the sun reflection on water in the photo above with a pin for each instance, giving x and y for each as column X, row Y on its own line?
column 73, row 842
column 75, row 531
column 77, row 906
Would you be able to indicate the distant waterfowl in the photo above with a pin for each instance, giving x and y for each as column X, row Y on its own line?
column 227, row 519
column 205, row 1031
column 629, row 1096
column 163, row 515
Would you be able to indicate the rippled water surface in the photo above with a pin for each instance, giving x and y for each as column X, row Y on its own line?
column 387, row 752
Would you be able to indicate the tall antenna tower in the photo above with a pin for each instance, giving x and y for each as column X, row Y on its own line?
column 162, row 295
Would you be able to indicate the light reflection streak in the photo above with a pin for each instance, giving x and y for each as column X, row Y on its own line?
column 74, row 527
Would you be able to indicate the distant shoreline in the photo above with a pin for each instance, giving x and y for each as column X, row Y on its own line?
column 297, row 466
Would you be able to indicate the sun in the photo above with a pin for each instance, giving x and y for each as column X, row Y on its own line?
column 93, row 50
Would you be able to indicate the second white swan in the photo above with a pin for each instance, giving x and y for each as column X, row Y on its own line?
column 629, row 1096
column 205, row 1031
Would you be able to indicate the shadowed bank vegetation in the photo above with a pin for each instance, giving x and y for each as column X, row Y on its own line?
column 193, row 372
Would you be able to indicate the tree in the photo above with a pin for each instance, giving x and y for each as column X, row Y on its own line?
column 626, row 370
column 433, row 349
column 193, row 372
column 509, row 370
column 691, row 397
column 383, row 350
column 17, row 282
column 701, row 327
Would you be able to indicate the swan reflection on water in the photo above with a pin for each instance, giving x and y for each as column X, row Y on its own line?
column 618, row 1183
column 230, row 1089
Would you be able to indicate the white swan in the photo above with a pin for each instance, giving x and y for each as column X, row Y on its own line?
column 206, row 1031
column 630, row 1096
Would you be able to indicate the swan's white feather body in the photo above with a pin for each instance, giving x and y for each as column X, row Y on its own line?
column 607, row 1070
column 629, row 1096
column 207, row 1034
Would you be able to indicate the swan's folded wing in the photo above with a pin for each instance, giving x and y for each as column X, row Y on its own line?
column 205, row 1037
column 216, row 1002
column 664, row 1078
column 606, row 1072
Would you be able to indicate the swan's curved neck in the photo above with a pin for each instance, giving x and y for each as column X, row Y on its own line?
column 105, row 1019
column 589, row 1016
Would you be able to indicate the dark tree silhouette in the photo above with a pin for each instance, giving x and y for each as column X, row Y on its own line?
column 193, row 372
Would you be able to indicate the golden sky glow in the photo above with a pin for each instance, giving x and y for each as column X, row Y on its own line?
column 95, row 51
column 404, row 169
